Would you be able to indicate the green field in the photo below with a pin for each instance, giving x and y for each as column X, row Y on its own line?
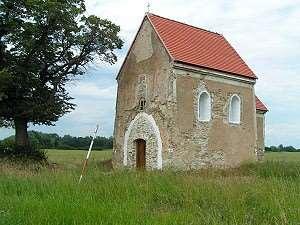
column 263, row 193
column 283, row 156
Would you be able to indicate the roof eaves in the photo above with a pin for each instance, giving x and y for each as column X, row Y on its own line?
column 213, row 69
column 261, row 111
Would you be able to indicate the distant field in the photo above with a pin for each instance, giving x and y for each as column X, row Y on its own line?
column 283, row 156
column 74, row 158
column 77, row 156
column 262, row 193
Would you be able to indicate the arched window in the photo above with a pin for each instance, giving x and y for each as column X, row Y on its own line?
column 142, row 104
column 204, row 110
column 235, row 109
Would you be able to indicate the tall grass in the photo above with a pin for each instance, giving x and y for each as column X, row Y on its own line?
column 264, row 193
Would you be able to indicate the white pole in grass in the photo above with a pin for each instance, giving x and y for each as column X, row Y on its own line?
column 88, row 154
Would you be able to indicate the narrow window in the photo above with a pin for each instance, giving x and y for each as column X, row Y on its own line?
column 142, row 104
column 204, row 107
column 235, row 109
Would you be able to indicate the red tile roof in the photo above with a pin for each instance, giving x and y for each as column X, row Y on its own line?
column 259, row 105
column 199, row 47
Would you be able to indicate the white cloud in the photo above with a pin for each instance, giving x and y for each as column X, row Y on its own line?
column 88, row 89
column 266, row 33
column 283, row 133
column 88, row 113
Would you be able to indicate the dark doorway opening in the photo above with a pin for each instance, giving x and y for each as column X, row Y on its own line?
column 140, row 154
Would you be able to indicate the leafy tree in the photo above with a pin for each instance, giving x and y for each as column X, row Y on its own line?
column 54, row 141
column 282, row 148
column 44, row 44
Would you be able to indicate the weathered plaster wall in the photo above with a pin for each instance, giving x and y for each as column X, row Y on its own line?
column 217, row 142
column 260, row 121
column 145, row 73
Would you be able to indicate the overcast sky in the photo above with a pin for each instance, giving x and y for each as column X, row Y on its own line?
column 266, row 33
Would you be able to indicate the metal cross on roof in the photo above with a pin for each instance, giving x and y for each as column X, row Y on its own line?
column 148, row 7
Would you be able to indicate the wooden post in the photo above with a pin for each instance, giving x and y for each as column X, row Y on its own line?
column 88, row 154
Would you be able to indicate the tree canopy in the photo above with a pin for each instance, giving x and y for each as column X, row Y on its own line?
column 281, row 148
column 66, row 142
column 44, row 44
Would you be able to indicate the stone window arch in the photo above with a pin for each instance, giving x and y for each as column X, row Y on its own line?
column 235, row 109
column 204, row 106
column 142, row 104
column 141, row 92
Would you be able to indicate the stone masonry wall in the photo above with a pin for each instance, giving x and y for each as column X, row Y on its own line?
column 260, row 118
column 215, row 143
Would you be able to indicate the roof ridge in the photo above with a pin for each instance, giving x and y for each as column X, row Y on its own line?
column 202, row 47
column 186, row 24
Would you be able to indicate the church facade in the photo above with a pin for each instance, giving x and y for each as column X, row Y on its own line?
column 186, row 100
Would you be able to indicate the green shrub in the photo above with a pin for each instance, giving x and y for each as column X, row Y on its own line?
column 14, row 152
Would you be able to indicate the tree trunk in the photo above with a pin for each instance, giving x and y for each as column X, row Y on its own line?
column 21, row 137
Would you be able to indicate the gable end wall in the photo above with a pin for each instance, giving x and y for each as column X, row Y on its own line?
column 145, row 72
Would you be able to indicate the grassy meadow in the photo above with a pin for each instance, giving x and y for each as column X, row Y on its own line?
column 262, row 193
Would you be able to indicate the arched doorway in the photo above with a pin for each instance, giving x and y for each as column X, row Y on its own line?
column 144, row 127
column 140, row 153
